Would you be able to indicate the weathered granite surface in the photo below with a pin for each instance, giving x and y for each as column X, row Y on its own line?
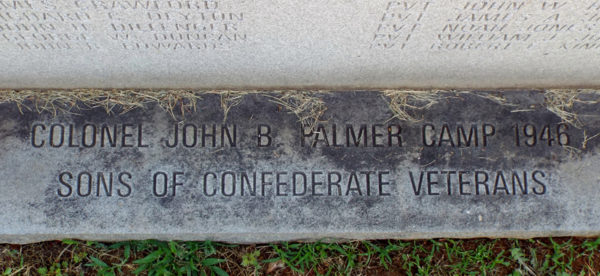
column 361, row 175
column 298, row 44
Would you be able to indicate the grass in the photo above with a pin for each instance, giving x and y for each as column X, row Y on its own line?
column 71, row 101
column 562, row 102
column 308, row 106
column 558, row 256
column 407, row 104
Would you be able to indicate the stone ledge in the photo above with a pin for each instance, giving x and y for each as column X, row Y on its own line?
column 468, row 167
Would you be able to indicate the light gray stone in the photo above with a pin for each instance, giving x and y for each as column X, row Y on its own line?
column 298, row 44
column 45, row 183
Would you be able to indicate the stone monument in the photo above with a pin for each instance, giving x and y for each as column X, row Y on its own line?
column 235, row 160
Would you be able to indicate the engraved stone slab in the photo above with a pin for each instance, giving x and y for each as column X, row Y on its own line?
column 472, row 167
column 298, row 44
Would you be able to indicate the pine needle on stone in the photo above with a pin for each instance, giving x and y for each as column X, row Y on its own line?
column 70, row 101
column 230, row 99
column 304, row 104
column 562, row 102
column 405, row 104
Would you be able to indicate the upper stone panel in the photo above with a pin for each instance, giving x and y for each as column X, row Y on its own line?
column 300, row 44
